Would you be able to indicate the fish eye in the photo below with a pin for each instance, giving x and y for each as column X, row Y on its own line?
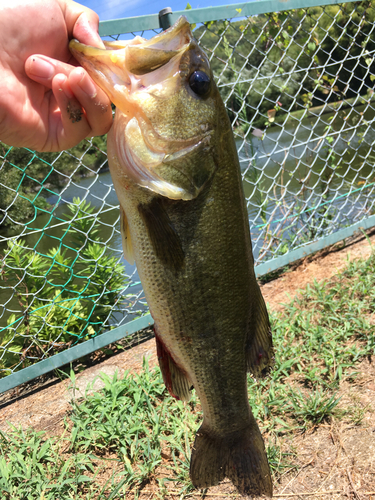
column 200, row 83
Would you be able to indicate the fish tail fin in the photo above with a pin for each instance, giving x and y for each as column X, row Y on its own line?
column 240, row 456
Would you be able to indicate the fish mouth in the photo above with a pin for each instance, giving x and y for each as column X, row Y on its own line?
column 124, row 67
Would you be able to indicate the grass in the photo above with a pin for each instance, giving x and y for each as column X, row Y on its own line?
column 31, row 467
column 132, row 433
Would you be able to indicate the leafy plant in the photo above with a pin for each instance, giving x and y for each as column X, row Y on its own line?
column 314, row 408
column 65, row 296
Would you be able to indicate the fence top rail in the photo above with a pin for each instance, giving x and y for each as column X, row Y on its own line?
column 240, row 10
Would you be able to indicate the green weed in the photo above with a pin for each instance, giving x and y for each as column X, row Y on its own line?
column 31, row 467
column 134, row 418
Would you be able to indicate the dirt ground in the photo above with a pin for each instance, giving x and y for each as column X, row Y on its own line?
column 335, row 461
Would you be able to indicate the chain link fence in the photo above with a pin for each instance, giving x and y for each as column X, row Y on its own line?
column 298, row 86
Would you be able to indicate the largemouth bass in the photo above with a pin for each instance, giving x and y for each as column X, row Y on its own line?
column 175, row 168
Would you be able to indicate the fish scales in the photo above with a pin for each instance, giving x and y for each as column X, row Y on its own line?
column 175, row 168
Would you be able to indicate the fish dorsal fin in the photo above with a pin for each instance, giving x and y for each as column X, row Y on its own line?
column 126, row 239
column 174, row 379
column 259, row 348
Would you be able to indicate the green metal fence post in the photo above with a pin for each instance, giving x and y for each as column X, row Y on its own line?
column 165, row 18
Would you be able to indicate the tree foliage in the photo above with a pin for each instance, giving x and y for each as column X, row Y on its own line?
column 291, row 60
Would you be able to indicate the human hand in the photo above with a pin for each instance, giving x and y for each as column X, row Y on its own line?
column 47, row 103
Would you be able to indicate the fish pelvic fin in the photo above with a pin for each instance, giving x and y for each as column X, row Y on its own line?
column 259, row 347
column 174, row 378
column 240, row 456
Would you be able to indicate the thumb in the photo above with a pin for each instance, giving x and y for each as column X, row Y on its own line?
column 81, row 22
column 87, row 32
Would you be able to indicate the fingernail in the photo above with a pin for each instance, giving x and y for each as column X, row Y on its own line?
column 41, row 68
column 87, row 85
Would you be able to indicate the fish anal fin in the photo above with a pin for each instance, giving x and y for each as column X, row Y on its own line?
column 240, row 456
column 174, row 379
column 164, row 238
column 126, row 239
column 259, row 348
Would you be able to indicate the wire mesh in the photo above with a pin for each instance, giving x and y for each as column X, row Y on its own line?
column 298, row 86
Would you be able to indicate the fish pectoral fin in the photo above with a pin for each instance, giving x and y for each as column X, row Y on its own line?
column 259, row 348
column 126, row 239
column 175, row 380
column 165, row 240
